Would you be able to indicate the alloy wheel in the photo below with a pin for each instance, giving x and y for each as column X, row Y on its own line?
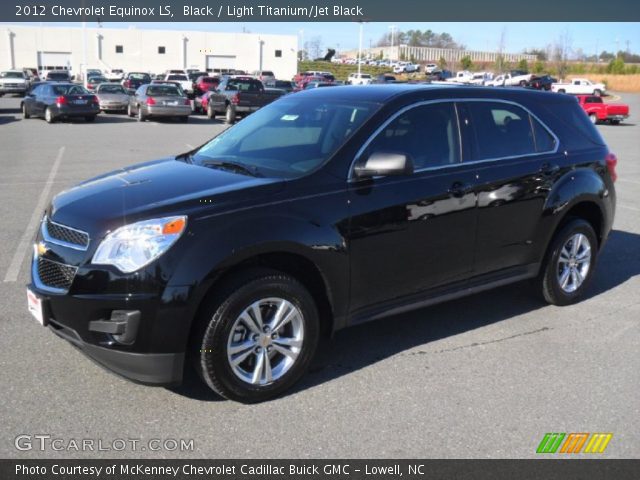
column 265, row 341
column 574, row 263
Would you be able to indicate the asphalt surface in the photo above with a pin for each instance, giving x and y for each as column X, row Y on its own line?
column 482, row 377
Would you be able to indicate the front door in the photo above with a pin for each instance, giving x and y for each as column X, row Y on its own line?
column 412, row 233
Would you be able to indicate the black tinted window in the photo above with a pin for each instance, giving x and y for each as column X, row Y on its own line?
column 499, row 130
column 544, row 140
column 163, row 91
column 429, row 134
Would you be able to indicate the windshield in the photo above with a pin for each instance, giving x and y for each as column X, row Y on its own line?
column 289, row 137
column 11, row 75
column 178, row 77
column 68, row 90
column 97, row 80
column 111, row 88
column 163, row 91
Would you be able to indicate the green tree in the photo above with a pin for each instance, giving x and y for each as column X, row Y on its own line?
column 538, row 67
column 616, row 66
column 442, row 63
column 523, row 65
column 466, row 62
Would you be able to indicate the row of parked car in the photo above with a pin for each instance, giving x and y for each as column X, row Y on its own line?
column 179, row 93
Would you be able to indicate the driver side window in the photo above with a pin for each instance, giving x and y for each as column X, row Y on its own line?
column 427, row 133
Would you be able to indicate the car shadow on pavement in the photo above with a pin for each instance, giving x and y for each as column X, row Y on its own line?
column 363, row 345
column 4, row 119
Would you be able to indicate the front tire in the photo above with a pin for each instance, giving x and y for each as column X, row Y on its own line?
column 25, row 112
column 569, row 263
column 130, row 111
column 257, row 337
column 594, row 118
column 597, row 92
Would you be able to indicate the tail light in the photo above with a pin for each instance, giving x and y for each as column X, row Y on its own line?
column 95, row 100
column 187, row 101
column 151, row 101
column 235, row 99
column 127, row 83
column 612, row 161
column 61, row 100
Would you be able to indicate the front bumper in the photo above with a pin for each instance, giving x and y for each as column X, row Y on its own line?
column 135, row 326
column 13, row 89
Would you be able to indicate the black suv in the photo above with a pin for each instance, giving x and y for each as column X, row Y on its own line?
column 322, row 210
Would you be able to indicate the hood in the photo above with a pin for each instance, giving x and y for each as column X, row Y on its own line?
column 160, row 188
column 13, row 80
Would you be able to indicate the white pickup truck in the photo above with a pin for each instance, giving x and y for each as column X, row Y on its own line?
column 13, row 81
column 182, row 79
column 462, row 76
column 579, row 86
column 514, row 78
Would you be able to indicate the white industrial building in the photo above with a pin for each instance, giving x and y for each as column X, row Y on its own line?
column 153, row 51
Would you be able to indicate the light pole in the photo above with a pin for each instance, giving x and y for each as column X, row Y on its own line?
column 301, row 45
column 393, row 35
column 360, row 49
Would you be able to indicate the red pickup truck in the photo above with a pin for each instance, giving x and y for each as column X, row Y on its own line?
column 599, row 111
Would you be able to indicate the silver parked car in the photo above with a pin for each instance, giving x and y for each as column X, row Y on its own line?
column 159, row 100
column 112, row 97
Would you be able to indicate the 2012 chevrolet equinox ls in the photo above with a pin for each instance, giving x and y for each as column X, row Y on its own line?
column 324, row 209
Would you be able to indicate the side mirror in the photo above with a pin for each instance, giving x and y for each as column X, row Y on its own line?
column 385, row 164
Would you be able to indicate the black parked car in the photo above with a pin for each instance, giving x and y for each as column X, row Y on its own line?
column 55, row 101
column 322, row 210
column 543, row 82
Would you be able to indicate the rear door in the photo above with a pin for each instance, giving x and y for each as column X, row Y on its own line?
column 412, row 233
column 516, row 162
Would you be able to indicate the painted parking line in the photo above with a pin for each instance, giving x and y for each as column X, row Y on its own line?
column 23, row 245
column 629, row 207
column 624, row 180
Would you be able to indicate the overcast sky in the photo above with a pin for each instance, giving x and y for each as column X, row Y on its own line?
column 476, row 36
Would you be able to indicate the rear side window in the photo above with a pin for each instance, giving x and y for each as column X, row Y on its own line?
column 504, row 130
column 428, row 133
column 572, row 120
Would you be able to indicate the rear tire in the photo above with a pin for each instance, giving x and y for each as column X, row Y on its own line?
column 615, row 122
column 257, row 370
column 569, row 263
column 130, row 111
column 562, row 90
column 48, row 116
column 211, row 113
column 141, row 116
column 184, row 119
column 230, row 114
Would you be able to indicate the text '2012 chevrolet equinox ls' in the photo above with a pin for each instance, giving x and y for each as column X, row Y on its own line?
column 324, row 209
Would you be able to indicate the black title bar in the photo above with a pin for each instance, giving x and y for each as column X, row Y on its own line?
column 316, row 10
column 320, row 469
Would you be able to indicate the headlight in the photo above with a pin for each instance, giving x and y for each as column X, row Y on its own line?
column 131, row 247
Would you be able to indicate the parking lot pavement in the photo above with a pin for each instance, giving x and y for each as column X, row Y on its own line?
column 485, row 376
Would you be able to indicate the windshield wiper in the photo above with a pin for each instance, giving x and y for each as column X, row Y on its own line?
column 236, row 167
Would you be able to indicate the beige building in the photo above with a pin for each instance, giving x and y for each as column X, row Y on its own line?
column 429, row 54
column 153, row 51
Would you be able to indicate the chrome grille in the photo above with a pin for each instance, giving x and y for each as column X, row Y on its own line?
column 55, row 275
column 66, row 235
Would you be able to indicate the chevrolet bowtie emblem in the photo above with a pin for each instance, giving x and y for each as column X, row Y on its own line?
column 41, row 249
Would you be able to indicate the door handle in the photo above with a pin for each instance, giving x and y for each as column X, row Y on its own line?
column 549, row 168
column 460, row 189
